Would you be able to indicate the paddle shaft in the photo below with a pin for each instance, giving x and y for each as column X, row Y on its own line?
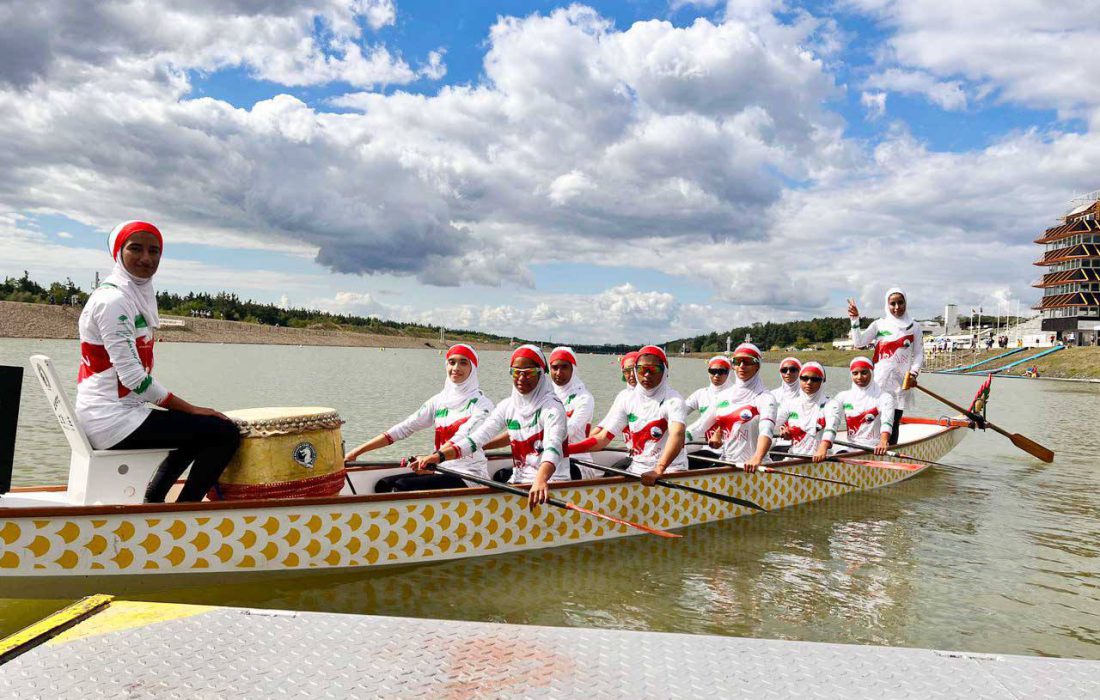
column 550, row 500
column 769, row 470
column 892, row 453
column 1024, row 443
column 674, row 485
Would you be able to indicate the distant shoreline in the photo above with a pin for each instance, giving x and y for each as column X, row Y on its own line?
column 42, row 321
column 21, row 320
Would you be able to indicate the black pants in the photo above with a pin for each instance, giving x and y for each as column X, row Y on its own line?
column 206, row 443
column 418, row 482
column 897, row 427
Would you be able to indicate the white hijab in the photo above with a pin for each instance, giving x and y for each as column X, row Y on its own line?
column 574, row 385
column 662, row 391
column 897, row 324
column 740, row 393
column 871, row 391
column 791, row 390
column 457, row 395
column 712, row 388
column 541, row 396
column 138, row 290
column 808, row 401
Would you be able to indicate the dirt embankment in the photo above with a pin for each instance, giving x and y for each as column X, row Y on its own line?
column 19, row 320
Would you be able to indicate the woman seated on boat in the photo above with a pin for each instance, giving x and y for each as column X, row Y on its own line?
column 718, row 371
column 535, row 420
column 454, row 412
column 626, row 365
column 899, row 351
column 579, row 404
column 865, row 409
column 653, row 413
column 115, row 385
column 801, row 419
column 789, row 370
column 744, row 414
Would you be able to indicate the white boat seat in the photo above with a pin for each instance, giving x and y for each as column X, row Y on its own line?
column 96, row 476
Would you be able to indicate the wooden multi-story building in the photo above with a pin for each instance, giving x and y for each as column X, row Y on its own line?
column 1071, row 286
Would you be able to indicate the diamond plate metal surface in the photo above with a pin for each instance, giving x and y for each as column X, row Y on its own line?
column 251, row 653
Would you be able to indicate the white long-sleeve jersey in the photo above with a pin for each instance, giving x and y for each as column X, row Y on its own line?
column 647, row 422
column 451, row 425
column 115, row 384
column 741, row 425
column 534, row 441
column 865, row 414
column 806, row 423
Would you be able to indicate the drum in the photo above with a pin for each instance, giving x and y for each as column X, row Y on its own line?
column 284, row 453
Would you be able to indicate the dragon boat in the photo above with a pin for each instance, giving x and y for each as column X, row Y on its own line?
column 94, row 527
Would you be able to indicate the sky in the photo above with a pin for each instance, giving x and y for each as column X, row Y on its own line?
column 621, row 171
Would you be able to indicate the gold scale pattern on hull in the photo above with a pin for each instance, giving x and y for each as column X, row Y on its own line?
column 365, row 533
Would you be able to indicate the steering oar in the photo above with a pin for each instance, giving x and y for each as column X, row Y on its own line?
column 1024, row 443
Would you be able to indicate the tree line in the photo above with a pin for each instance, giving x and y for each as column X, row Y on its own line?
column 230, row 307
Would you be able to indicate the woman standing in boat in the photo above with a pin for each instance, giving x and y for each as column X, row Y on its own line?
column 898, row 351
column 865, row 410
column 789, row 370
column 579, row 403
column 718, row 371
column 536, row 425
column 744, row 414
column 115, row 384
column 454, row 412
column 653, row 413
column 801, row 419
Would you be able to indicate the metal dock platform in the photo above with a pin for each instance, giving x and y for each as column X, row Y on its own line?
column 104, row 648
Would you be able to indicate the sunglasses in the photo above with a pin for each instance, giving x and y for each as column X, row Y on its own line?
column 718, row 371
column 648, row 369
column 525, row 373
column 811, row 379
column 788, row 370
column 738, row 361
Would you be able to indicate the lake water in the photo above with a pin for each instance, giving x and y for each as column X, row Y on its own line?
column 1004, row 557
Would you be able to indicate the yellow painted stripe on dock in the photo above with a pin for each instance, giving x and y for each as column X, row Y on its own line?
column 35, row 633
column 126, row 615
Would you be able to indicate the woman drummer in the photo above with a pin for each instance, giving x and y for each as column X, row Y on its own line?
column 536, row 427
column 454, row 412
column 744, row 414
column 655, row 416
column 115, row 385
column 898, row 351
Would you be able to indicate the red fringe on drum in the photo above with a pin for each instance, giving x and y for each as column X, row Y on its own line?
column 326, row 485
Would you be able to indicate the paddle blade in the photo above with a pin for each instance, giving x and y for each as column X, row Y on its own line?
column 897, row 466
column 1031, row 447
column 605, row 516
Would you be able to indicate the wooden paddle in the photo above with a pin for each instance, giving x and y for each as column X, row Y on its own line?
column 552, row 501
column 769, row 470
column 1026, row 444
column 674, row 485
